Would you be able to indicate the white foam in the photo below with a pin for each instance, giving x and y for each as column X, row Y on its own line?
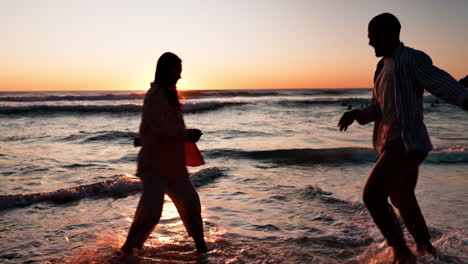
column 121, row 186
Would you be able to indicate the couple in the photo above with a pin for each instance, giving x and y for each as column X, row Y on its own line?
column 400, row 136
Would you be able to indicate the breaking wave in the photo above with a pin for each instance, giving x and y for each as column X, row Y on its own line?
column 132, row 95
column 105, row 97
column 322, row 101
column 101, row 136
column 97, row 109
column 272, row 93
column 453, row 154
column 356, row 102
column 120, row 186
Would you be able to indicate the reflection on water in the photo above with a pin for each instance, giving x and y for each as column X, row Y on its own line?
column 274, row 150
column 169, row 243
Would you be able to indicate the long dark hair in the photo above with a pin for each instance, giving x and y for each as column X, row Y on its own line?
column 164, row 79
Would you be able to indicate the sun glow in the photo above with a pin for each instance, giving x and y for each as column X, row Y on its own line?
column 88, row 45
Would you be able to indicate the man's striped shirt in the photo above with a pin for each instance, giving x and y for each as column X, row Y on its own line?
column 414, row 73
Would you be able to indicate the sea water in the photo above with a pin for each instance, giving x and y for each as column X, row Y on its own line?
column 281, row 183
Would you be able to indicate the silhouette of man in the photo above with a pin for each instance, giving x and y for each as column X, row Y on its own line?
column 464, row 81
column 399, row 133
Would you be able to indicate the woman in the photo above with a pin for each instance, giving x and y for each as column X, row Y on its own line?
column 161, row 161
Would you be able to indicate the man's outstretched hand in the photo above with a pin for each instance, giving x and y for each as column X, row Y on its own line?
column 347, row 119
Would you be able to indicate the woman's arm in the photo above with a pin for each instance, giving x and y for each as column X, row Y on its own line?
column 163, row 121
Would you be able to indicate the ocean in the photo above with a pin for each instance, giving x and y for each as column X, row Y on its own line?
column 281, row 183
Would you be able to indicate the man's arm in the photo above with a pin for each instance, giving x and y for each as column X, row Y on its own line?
column 369, row 113
column 363, row 116
column 439, row 82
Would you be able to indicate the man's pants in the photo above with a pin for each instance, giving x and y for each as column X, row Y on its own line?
column 395, row 175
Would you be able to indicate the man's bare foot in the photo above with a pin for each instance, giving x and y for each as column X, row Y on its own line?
column 202, row 249
column 426, row 249
column 403, row 256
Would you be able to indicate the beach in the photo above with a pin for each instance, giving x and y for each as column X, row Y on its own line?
column 281, row 183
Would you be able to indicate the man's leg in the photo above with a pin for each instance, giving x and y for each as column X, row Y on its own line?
column 404, row 199
column 378, row 188
column 187, row 202
column 148, row 212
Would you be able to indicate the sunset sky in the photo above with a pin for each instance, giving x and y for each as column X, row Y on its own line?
column 114, row 45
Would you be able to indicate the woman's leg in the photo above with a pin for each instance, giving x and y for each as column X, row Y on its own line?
column 148, row 211
column 187, row 202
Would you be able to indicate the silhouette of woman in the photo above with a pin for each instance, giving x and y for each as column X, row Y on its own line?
column 161, row 160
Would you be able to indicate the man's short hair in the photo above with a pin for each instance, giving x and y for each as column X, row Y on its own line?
column 385, row 22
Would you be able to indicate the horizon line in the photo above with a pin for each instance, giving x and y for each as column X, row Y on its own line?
column 123, row 90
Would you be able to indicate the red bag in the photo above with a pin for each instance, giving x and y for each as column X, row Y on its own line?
column 193, row 157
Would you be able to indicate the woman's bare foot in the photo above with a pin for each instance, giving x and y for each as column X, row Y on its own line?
column 128, row 249
column 200, row 245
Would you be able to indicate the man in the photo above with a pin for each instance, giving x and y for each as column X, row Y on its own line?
column 399, row 133
column 464, row 81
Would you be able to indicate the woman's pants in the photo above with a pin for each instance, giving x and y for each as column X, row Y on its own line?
column 149, row 209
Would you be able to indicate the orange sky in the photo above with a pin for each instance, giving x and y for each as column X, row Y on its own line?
column 59, row 45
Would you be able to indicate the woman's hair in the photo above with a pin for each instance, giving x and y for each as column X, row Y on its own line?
column 164, row 78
